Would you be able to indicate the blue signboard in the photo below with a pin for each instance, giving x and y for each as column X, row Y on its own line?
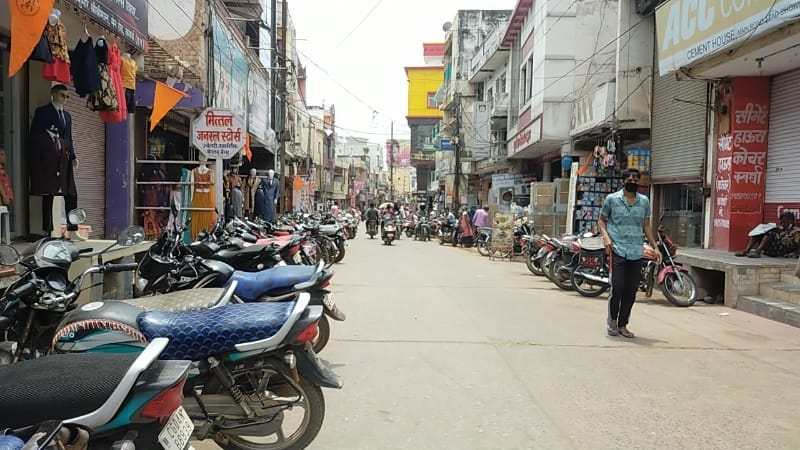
column 445, row 144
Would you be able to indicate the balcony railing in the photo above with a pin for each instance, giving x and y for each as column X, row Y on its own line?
column 500, row 105
column 486, row 50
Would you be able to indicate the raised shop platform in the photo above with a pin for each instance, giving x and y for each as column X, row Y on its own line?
column 111, row 286
column 763, row 286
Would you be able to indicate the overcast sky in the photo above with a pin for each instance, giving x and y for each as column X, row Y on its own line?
column 368, row 59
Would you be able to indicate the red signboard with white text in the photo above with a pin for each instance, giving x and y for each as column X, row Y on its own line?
column 741, row 161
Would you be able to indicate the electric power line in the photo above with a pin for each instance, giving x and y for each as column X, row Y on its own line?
column 363, row 19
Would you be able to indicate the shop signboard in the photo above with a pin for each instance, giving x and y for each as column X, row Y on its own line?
column 257, row 112
column 230, row 70
column 126, row 18
column 446, row 144
column 219, row 133
column 688, row 31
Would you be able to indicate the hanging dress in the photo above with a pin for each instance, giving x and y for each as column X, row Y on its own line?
column 85, row 72
column 58, row 70
column 115, row 72
column 202, row 197
column 106, row 98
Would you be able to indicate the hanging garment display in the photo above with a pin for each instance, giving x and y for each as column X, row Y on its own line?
column 114, row 66
column 129, row 82
column 58, row 70
column 106, row 98
column 42, row 52
column 85, row 72
column 6, row 186
column 202, row 197
column 251, row 184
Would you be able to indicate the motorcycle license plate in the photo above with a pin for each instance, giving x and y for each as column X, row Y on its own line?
column 590, row 261
column 177, row 431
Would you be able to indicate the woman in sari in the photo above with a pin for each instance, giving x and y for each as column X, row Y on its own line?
column 465, row 228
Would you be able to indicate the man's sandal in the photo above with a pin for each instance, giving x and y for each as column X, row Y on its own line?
column 624, row 332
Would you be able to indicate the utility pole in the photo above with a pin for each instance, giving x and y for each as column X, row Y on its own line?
column 285, row 108
column 457, row 149
column 391, row 163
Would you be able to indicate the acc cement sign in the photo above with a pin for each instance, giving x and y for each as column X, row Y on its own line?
column 691, row 30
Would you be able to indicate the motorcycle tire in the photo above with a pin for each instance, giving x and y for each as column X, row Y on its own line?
column 340, row 253
column 579, row 285
column 482, row 246
column 323, row 335
column 534, row 265
column 564, row 283
column 689, row 285
column 316, row 411
column 409, row 233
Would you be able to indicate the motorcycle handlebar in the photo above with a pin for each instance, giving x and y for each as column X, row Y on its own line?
column 22, row 290
column 126, row 267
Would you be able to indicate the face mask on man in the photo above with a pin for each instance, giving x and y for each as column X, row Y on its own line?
column 631, row 186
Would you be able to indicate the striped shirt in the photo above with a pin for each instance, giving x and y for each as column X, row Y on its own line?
column 625, row 223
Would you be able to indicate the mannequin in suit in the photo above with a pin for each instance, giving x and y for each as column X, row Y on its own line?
column 52, row 129
column 271, row 188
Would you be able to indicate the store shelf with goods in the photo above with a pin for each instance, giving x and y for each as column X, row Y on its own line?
column 591, row 192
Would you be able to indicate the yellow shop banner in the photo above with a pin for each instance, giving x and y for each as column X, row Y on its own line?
column 691, row 30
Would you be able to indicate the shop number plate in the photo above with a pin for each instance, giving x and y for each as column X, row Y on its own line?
column 176, row 433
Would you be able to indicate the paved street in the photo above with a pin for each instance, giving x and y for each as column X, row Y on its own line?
column 446, row 349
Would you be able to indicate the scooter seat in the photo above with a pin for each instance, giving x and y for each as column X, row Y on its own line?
column 253, row 285
column 59, row 387
column 196, row 335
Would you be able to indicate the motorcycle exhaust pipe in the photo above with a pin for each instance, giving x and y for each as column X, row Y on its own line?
column 593, row 277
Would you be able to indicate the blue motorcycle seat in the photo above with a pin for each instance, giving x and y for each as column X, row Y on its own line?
column 196, row 335
column 253, row 285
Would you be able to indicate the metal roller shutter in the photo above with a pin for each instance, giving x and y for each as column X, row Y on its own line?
column 783, row 164
column 678, row 136
column 89, row 137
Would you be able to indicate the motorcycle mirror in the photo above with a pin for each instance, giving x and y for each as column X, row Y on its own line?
column 130, row 236
column 77, row 216
column 9, row 256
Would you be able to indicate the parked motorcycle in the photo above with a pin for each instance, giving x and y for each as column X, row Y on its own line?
column 97, row 400
column 677, row 284
column 410, row 227
column 590, row 278
column 483, row 240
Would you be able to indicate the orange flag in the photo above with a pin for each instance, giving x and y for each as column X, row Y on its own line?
column 28, row 18
column 164, row 99
column 247, row 151
column 298, row 183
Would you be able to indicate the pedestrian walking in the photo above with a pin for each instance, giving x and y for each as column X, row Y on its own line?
column 625, row 215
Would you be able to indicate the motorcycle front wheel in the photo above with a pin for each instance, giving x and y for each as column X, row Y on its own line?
column 409, row 233
column 534, row 264
column 482, row 246
column 560, row 279
column 586, row 287
column 680, row 290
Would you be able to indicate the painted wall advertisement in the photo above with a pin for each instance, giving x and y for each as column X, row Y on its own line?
column 230, row 71
column 740, row 179
column 127, row 18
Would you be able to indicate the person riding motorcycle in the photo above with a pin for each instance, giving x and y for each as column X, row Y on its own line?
column 372, row 214
column 389, row 211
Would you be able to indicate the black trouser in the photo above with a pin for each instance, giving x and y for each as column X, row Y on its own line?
column 70, row 203
column 625, row 277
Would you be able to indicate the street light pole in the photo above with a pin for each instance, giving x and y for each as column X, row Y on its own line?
column 391, row 163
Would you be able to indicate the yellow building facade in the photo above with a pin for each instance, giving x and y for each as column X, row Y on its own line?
column 423, row 82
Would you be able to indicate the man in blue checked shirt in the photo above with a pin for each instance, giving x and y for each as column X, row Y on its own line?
column 625, row 215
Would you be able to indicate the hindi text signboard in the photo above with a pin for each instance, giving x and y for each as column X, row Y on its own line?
column 219, row 133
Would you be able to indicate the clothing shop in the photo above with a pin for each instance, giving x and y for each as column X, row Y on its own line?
column 163, row 155
column 77, row 87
